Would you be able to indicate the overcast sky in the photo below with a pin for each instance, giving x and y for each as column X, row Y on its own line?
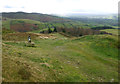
column 60, row 7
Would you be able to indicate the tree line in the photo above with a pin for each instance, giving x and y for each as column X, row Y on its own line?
column 74, row 31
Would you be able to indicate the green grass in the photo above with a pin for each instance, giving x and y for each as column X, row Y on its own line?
column 86, row 59
column 6, row 24
column 40, row 30
column 26, row 21
column 113, row 31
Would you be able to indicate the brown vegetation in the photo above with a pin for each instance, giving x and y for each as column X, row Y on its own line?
column 23, row 27
column 18, row 36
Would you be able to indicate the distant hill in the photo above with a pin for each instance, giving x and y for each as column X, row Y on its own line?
column 23, row 22
column 34, row 16
column 96, row 21
column 97, row 16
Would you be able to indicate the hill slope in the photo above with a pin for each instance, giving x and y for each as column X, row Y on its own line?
column 33, row 16
column 57, row 58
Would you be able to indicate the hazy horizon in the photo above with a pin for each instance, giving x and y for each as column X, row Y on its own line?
column 61, row 7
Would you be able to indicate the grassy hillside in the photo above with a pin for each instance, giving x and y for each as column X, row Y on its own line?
column 33, row 16
column 22, row 25
column 7, row 22
column 72, row 53
column 57, row 58
column 55, row 21
column 32, row 25
column 113, row 31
